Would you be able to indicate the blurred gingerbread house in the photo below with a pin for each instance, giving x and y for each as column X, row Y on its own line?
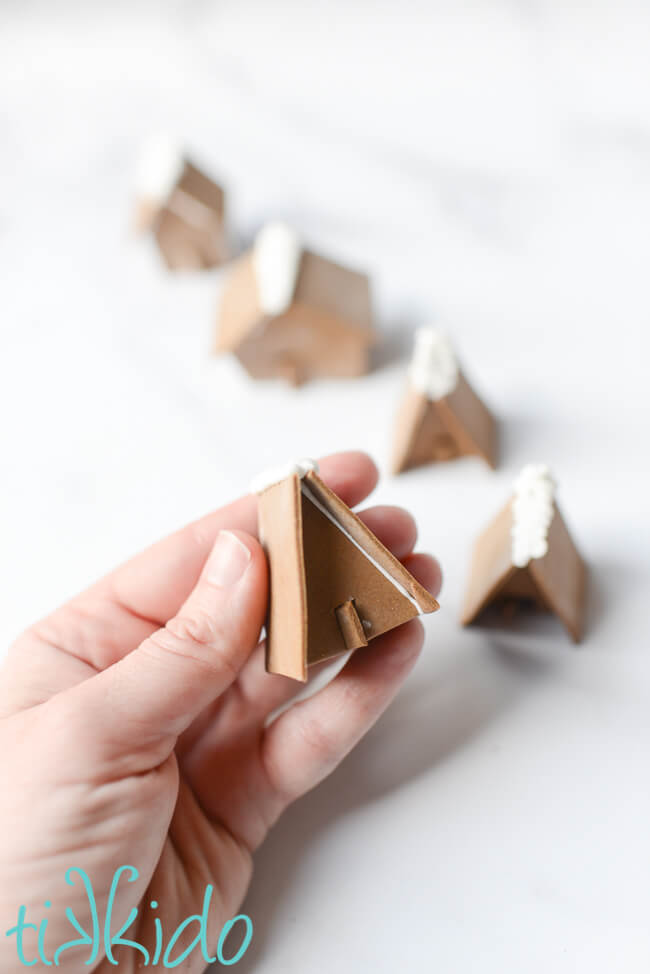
column 182, row 207
column 440, row 416
column 289, row 313
column 526, row 556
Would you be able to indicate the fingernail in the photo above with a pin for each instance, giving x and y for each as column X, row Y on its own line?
column 228, row 560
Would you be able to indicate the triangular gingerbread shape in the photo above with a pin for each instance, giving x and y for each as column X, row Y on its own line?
column 440, row 417
column 554, row 578
column 334, row 586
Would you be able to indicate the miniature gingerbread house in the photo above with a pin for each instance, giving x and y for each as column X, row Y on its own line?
column 440, row 416
column 182, row 207
column 334, row 586
column 526, row 555
column 287, row 312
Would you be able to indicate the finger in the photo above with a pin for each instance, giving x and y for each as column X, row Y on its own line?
column 309, row 740
column 109, row 620
column 150, row 696
column 394, row 527
column 427, row 571
column 259, row 693
column 244, row 707
column 155, row 583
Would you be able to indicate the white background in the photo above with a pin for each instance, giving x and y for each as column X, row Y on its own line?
column 489, row 164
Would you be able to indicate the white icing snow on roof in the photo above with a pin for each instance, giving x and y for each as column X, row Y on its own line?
column 159, row 169
column 532, row 513
column 434, row 369
column 274, row 475
column 276, row 260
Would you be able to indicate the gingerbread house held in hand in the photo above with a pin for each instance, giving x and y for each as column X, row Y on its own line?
column 333, row 585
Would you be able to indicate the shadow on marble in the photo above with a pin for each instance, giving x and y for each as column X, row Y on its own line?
column 609, row 584
column 536, row 627
column 429, row 724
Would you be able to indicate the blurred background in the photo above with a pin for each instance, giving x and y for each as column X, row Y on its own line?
column 488, row 164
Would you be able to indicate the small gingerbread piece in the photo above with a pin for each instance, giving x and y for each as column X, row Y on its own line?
column 351, row 625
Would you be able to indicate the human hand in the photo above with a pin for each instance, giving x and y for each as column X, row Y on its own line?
column 134, row 730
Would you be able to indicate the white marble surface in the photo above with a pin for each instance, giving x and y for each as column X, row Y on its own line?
column 489, row 163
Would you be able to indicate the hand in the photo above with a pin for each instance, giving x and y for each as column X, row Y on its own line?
column 134, row 731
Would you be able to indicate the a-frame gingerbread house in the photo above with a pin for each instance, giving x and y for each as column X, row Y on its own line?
column 526, row 555
column 334, row 586
column 440, row 416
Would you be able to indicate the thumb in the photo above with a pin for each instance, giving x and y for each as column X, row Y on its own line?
column 151, row 696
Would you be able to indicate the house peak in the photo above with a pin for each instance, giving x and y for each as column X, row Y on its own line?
column 434, row 369
column 274, row 475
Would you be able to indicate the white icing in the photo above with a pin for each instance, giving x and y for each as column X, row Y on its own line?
column 276, row 260
column 380, row 568
column 159, row 169
column 532, row 513
column 274, row 475
column 434, row 369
